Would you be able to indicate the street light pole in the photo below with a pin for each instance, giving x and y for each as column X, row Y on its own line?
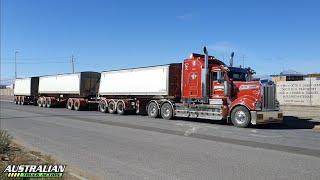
column 15, row 64
column 72, row 62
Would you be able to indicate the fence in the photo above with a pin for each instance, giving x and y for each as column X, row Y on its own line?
column 6, row 92
column 305, row 92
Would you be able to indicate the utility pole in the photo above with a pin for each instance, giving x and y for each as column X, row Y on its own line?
column 72, row 61
column 243, row 56
column 15, row 63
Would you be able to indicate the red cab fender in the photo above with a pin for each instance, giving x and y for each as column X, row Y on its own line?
column 247, row 101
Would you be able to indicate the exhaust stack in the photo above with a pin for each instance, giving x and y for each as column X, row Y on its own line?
column 231, row 59
column 205, row 76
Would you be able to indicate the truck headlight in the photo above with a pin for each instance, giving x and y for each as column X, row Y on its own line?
column 258, row 105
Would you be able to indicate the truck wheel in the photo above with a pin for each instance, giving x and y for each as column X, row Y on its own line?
column 70, row 104
column 44, row 102
column 16, row 99
column 103, row 106
column 120, row 108
column 166, row 111
column 112, row 107
column 240, row 117
column 153, row 110
column 22, row 102
column 39, row 101
column 77, row 104
column 48, row 102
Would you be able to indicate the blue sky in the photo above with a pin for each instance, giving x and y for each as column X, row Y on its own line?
column 271, row 35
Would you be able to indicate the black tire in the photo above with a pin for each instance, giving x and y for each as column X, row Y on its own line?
column 240, row 117
column 16, row 99
column 48, row 103
column 77, row 105
column 103, row 107
column 120, row 108
column 153, row 110
column 39, row 102
column 35, row 102
column 166, row 111
column 44, row 102
column 19, row 100
column 70, row 104
column 112, row 109
column 22, row 101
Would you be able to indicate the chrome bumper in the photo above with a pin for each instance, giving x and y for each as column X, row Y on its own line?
column 266, row 117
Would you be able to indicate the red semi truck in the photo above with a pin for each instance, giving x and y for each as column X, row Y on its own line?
column 201, row 87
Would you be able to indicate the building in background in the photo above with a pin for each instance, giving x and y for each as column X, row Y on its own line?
column 313, row 76
column 289, row 75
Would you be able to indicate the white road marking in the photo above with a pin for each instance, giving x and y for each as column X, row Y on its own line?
column 191, row 131
column 6, row 100
column 254, row 130
column 265, row 136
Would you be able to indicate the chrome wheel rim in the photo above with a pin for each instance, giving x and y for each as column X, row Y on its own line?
column 153, row 110
column 166, row 111
column 103, row 107
column 120, row 107
column 240, row 117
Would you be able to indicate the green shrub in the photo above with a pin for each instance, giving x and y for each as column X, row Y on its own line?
column 5, row 140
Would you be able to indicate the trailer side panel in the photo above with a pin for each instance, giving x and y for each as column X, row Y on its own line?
column 139, row 81
column 22, row 87
column 60, row 84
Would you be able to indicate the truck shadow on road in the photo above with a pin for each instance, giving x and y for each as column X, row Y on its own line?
column 289, row 122
column 292, row 122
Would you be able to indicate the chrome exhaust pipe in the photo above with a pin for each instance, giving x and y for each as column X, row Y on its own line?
column 205, row 76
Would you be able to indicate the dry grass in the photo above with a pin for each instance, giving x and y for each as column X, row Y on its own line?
column 17, row 154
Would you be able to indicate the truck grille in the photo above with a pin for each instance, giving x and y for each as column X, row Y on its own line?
column 269, row 97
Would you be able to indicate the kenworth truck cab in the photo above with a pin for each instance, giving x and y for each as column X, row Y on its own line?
column 213, row 90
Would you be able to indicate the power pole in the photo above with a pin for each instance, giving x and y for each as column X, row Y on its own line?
column 15, row 63
column 72, row 61
column 243, row 56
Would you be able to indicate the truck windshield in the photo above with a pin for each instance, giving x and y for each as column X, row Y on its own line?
column 237, row 76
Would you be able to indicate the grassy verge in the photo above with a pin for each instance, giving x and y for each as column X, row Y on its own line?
column 14, row 154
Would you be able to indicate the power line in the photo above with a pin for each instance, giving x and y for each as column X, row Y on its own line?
column 50, row 62
column 47, row 58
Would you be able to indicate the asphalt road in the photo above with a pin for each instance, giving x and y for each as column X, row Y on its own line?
column 137, row 147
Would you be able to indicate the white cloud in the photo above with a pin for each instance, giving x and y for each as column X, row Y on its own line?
column 184, row 16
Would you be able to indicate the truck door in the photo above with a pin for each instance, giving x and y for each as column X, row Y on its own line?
column 217, row 87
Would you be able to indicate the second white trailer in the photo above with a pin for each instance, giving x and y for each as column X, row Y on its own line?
column 75, row 90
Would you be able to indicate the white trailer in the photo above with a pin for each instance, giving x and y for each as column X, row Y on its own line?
column 139, row 81
column 26, row 90
column 76, row 90
column 133, row 89
column 60, row 84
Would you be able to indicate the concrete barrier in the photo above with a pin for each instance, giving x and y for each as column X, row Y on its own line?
column 6, row 92
column 306, row 93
